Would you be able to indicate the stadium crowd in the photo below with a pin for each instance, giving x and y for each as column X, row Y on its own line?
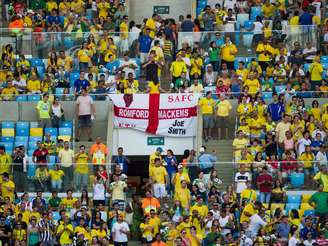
column 184, row 201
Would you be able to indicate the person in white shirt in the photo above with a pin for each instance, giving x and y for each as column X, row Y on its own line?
column 321, row 156
column 244, row 240
column 241, row 178
column 128, row 66
column 293, row 240
column 309, row 52
column 210, row 76
column 196, row 87
column 305, row 141
column 120, row 231
column 229, row 4
column 229, row 21
column 19, row 83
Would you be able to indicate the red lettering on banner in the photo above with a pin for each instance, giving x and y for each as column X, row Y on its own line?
column 180, row 98
column 131, row 113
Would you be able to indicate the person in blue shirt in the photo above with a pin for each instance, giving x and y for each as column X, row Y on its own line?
column 81, row 83
column 144, row 42
column 316, row 143
column 276, row 109
column 171, row 164
column 112, row 65
column 187, row 25
column 53, row 22
column 206, row 162
column 309, row 227
column 306, row 18
column 122, row 160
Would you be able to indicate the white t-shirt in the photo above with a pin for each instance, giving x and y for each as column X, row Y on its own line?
column 84, row 103
column 99, row 191
column 246, row 242
column 241, row 179
column 128, row 69
column 302, row 143
column 229, row 4
column 293, row 241
column 119, row 236
column 258, row 28
column 308, row 243
column 255, row 223
column 306, row 50
column 223, row 221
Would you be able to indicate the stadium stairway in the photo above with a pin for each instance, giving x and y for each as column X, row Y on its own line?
column 223, row 149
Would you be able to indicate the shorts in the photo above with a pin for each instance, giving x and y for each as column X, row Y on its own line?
column 159, row 190
column 222, row 122
column 85, row 120
column 208, row 121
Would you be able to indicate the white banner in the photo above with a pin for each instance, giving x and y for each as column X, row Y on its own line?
column 173, row 115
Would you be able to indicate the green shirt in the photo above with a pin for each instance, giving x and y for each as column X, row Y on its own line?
column 38, row 4
column 214, row 54
column 54, row 202
column 320, row 199
column 44, row 109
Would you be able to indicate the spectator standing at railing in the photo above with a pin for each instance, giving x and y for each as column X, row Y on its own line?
column 276, row 109
column 316, row 71
column 122, row 160
column 223, row 108
column 206, row 105
column 66, row 160
column 228, row 53
column 206, row 162
column 144, row 45
column 84, row 57
column 207, row 17
column 19, row 167
column 265, row 182
column 187, row 25
column 81, row 172
column 178, row 67
column 5, row 161
column 43, row 109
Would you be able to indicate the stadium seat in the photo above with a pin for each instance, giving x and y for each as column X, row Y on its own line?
column 22, row 132
column 35, row 139
column 33, row 98
column 52, row 131
column 65, row 131
column 306, row 198
column 30, row 152
column 280, row 88
column 306, row 67
column 290, row 206
column 248, row 39
column 35, row 62
column 8, row 145
column 22, row 124
column 31, row 168
column 8, row 124
column 308, row 213
column 8, row 132
column 294, row 199
column 248, row 25
column 74, row 76
column 17, row 144
column 66, row 124
column 255, row 11
column 7, row 139
column 36, row 132
column 34, row 124
column 297, row 179
column 21, row 139
column 267, row 95
column 241, row 18
column 32, row 144
column 21, row 98
column 324, row 59
column 59, row 91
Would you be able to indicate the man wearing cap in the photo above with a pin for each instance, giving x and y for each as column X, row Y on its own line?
column 206, row 162
column 153, row 156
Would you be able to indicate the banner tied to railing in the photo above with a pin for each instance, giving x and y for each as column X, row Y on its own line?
column 173, row 115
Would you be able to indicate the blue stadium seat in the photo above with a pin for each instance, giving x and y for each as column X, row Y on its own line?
column 22, row 132
column 255, row 11
column 32, row 145
column 297, row 179
column 59, row 91
column 308, row 212
column 7, row 139
column 248, row 25
column 8, row 145
column 16, row 144
column 68, row 42
column 33, row 98
column 31, row 168
column 280, row 88
column 52, row 131
column 52, row 161
column 35, row 62
column 21, row 98
column 21, row 139
column 22, row 124
column 35, row 139
column 248, row 39
column 74, row 76
column 306, row 67
column 267, row 95
column 324, row 59
column 41, row 71
column 34, row 124
column 30, row 152
column 8, row 124
column 67, row 124
column 63, row 131
column 325, row 66
column 290, row 206
column 294, row 199
column 241, row 18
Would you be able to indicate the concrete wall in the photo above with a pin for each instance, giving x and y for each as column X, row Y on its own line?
column 14, row 111
column 140, row 9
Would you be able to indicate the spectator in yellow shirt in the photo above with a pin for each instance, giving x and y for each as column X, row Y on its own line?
column 265, row 52
column 84, row 57
column 33, row 84
column 268, row 10
column 196, row 64
column 56, row 176
column 159, row 178
column 9, row 92
column 223, row 107
column 177, row 68
column 228, row 53
column 253, row 84
column 316, row 71
column 151, row 25
column 207, row 108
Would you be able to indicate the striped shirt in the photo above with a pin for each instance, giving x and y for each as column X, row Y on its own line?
column 167, row 48
column 46, row 229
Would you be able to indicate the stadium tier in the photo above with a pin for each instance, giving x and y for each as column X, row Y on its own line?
column 178, row 123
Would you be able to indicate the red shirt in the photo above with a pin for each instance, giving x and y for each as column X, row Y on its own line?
column 288, row 165
column 267, row 185
column 41, row 155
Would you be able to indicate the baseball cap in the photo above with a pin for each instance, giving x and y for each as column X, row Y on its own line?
column 180, row 166
column 201, row 149
column 159, row 149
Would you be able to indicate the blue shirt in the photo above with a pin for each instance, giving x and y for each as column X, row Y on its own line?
column 306, row 19
column 112, row 66
column 169, row 167
column 206, row 161
column 306, row 230
column 123, row 162
column 276, row 110
column 315, row 144
column 81, row 84
column 187, row 26
column 53, row 19
column 145, row 43
column 283, row 230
